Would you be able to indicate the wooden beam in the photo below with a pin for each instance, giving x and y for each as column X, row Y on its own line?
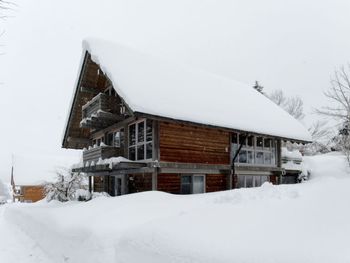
column 91, row 90
column 78, row 140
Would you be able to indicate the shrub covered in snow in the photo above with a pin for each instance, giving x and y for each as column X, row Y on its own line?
column 69, row 186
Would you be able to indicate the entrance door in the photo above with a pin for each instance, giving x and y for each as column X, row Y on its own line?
column 198, row 184
column 118, row 187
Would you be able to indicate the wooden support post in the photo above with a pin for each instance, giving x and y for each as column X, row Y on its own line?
column 90, row 183
column 155, row 180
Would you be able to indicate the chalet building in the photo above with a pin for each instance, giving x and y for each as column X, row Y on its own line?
column 27, row 193
column 143, row 124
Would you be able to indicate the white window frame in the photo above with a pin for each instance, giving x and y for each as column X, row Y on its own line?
column 255, row 149
column 254, row 176
column 137, row 143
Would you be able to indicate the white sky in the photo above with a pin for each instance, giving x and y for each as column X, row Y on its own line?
column 292, row 45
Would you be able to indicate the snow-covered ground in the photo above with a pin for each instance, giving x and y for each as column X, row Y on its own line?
column 307, row 222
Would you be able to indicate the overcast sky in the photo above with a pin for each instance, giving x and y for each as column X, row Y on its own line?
column 291, row 45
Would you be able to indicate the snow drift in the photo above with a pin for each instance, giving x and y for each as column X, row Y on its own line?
column 307, row 222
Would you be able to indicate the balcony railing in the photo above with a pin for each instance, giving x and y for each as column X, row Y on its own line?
column 102, row 111
column 101, row 152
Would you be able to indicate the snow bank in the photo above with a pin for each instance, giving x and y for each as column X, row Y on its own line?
column 307, row 222
column 179, row 92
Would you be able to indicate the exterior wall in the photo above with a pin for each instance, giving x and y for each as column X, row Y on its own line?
column 192, row 144
column 140, row 182
column 32, row 193
column 216, row 182
column 170, row 183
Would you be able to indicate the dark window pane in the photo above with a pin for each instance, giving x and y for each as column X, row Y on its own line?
column 234, row 148
column 122, row 138
column 267, row 158
column 250, row 141
column 132, row 153
column 248, row 181
column 149, row 151
column 267, row 143
column 132, row 134
column 243, row 157
column 240, row 181
column 273, row 143
column 110, row 139
column 259, row 142
column 250, row 157
column 257, row 181
column 149, row 129
column 242, row 139
column 141, row 132
column 234, row 138
column 259, row 158
column 141, row 152
column 186, row 182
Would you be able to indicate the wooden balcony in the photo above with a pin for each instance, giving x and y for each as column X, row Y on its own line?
column 103, row 152
column 102, row 111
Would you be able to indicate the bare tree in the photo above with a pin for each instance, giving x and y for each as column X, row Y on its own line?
column 294, row 105
column 278, row 97
column 339, row 96
column 319, row 131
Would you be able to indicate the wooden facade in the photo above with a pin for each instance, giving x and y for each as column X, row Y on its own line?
column 28, row 193
column 168, row 155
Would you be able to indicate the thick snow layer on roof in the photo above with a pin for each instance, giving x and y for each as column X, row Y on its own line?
column 155, row 86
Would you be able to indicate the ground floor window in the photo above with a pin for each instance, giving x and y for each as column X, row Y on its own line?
column 192, row 184
column 247, row 181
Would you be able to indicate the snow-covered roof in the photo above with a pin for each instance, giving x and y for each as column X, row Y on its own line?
column 158, row 87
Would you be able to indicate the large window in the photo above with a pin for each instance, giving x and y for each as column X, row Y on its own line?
column 192, row 184
column 141, row 140
column 256, row 150
column 247, row 181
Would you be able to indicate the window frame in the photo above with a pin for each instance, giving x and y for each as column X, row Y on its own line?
column 254, row 150
column 143, row 143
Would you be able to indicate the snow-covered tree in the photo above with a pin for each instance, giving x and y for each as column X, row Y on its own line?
column 4, row 192
column 69, row 186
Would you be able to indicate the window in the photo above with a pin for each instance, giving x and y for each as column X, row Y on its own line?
column 247, row 181
column 186, row 184
column 141, row 140
column 256, row 150
column 116, row 138
column 192, row 184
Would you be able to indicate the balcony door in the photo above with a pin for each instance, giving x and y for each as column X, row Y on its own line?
column 198, row 184
column 119, row 185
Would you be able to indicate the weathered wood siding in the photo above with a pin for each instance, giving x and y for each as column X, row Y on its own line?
column 216, row 182
column 140, row 182
column 170, row 183
column 191, row 144
column 33, row 193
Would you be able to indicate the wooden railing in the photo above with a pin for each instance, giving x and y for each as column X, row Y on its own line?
column 102, row 111
column 101, row 102
column 103, row 152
